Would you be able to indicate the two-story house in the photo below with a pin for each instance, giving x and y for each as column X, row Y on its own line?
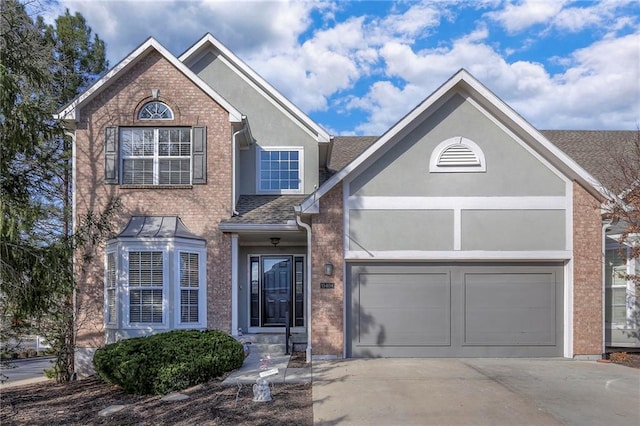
column 462, row 231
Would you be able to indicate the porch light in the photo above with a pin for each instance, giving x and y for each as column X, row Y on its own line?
column 275, row 241
column 328, row 268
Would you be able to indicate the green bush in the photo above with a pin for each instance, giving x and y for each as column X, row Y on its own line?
column 170, row 361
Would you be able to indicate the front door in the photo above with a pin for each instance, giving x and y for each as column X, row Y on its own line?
column 276, row 287
column 276, row 290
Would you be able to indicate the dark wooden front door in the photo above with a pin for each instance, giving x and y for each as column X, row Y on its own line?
column 276, row 288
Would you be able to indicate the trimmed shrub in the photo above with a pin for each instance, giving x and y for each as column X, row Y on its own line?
column 167, row 362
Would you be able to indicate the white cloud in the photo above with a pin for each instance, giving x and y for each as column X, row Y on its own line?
column 599, row 89
column 516, row 17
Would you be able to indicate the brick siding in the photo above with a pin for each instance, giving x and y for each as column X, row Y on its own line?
column 587, row 274
column 201, row 207
column 327, row 320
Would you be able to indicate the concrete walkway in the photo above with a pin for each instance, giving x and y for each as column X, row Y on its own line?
column 273, row 367
column 474, row 391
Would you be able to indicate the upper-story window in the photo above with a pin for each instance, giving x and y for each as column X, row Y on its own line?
column 280, row 170
column 155, row 111
column 155, row 156
column 160, row 156
column 457, row 154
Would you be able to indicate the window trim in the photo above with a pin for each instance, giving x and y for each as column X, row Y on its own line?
column 300, row 151
column 436, row 167
column 202, row 288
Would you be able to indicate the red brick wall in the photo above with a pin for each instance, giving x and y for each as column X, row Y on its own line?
column 201, row 207
column 327, row 321
column 587, row 273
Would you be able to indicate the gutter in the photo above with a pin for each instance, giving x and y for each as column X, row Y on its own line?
column 309, row 265
column 605, row 226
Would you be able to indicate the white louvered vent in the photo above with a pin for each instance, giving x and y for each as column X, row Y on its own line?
column 457, row 155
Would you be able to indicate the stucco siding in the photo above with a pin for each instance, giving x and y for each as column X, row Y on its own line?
column 513, row 230
column 270, row 125
column 401, row 230
column 510, row 169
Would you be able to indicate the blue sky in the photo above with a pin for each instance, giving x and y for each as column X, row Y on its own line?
column 356, row 67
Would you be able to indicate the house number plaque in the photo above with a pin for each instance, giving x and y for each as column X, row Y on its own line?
column 327, row 285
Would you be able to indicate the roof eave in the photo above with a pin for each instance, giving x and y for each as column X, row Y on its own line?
column 321, row 135
column 70, row 112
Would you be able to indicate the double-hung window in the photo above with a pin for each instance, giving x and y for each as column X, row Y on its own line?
column 280, row 170
column 146, row 287
column 156, row 156
column 110, row 289
column 189, row 287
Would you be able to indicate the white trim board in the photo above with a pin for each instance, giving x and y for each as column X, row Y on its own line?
column 470, row 255
column 453, row 203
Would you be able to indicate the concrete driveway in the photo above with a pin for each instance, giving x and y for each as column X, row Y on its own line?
column 474, row 391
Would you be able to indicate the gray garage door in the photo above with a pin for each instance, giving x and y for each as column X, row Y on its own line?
column 464, row 310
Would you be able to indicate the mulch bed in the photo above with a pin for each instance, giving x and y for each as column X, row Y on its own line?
column 78, row 403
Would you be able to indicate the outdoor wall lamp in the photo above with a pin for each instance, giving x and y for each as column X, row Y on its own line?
column 328, row 268
column 275, row 241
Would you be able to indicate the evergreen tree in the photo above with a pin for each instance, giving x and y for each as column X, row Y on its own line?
column 42, row 68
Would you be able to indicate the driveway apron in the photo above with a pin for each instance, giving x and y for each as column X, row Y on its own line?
column 474, row 391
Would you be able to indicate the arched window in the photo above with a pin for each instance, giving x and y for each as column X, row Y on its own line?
column 155, row 111
column 457, row 155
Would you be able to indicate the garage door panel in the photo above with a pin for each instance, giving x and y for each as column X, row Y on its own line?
column 455, row 310
column 402, row 309
column 509, row 309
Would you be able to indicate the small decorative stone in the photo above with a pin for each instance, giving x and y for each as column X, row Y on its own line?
column 174, row 397
column 110, row 410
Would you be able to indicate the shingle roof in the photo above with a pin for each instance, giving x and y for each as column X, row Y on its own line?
column 265, row 209
column 347, row 148
column 599, row 152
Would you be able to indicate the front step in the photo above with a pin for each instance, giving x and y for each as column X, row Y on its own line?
column 272, row 343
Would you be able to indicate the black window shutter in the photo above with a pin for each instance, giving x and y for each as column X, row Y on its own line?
column 199, row 156
column 111, row 161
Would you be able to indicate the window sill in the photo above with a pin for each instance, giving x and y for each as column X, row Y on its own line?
column 156, row 186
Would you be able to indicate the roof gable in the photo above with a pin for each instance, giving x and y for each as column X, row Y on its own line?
column 71, row 111
column 209, row 42
column 465, row 83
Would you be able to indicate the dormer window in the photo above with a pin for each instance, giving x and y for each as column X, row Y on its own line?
column 155, row 110
column 457, row 155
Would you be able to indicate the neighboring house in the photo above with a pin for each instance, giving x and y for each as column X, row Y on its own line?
column 462, row 231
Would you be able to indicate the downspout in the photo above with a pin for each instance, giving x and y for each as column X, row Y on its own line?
column 234, row 145
column 309, row 265
column 605, row 226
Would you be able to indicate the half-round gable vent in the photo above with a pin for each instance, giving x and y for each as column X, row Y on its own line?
column 457, row 154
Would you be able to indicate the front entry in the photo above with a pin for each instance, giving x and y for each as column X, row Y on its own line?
column 277, row 291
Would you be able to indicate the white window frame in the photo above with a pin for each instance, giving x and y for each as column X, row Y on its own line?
column 156, row 157
column 202, row 288
column 164, row 249
column 435, row 166
column 113, row 286
column 300, row 151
